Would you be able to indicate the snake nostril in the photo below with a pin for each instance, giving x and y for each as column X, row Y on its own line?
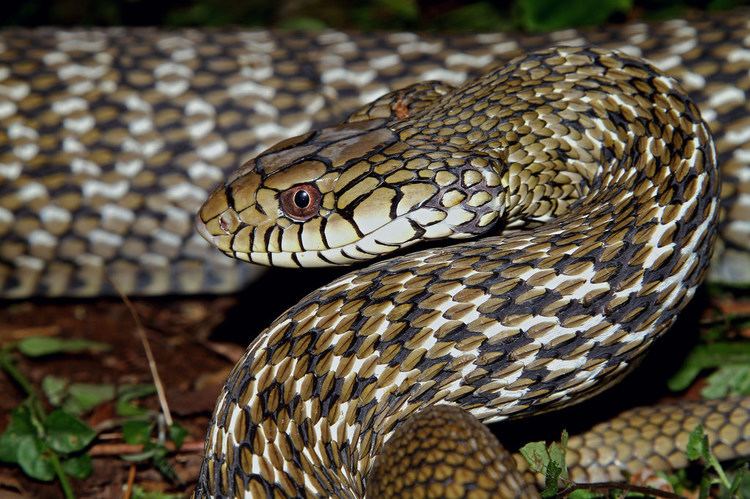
column 224, row 223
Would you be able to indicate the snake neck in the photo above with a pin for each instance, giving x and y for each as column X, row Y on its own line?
column 567, row 131
column 504, row 326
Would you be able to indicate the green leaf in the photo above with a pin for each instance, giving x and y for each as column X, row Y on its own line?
column 131, row 392
column 32, row 460
column 556, row 467
column 136, row 432
column 19, row 428
column 699, row 447
column 55, row 389
column 474, row 17
column 683, row 378
column 705, row 487
column 303, row 23
column 139, row 456
column 728, row 380
column 741, row 483
column 678, row 479
column 557, row 454
column 721, row 354
column 696, row 442
column 85, row 396
column 177, row 434
column 548, row 15
column 139, row 493
column 128, row 409
column 724, row 4
column 78, row 466
column 76, row 398
column 536, row 455
column 549, row 461
column 551, row 479
column 124, row 406
column 583, row 494
column 66, row 433
column 714, row 463
column 162, row 464
column 377, row 14
column 402, row 9
column 38, row 346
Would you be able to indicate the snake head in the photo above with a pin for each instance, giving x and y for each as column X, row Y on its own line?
column 349, row 193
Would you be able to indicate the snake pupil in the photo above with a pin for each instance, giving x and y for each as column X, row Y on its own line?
column 302, row 199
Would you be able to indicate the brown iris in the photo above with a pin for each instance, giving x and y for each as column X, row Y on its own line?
column 301, row 202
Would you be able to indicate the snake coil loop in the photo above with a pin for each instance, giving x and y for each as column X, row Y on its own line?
column 592, row 180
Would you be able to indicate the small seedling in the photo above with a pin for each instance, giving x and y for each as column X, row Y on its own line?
column 549, row 460
column 732, row 374
column 698, row 448
column 49, row 445
column 45, row 445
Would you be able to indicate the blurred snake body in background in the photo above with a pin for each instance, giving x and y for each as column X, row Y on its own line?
column 112, row 138
column 589, row 175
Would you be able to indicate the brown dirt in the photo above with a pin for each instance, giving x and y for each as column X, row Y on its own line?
column 195, row 342
column 189, row 338
column 178, row 332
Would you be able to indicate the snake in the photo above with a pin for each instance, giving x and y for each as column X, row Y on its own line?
column 587, row 185
column 112, row 139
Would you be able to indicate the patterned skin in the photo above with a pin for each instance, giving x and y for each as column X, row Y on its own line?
column 593, row 180
column 113, row 138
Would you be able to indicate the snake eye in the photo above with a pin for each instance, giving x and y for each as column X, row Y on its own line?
column 301, row 202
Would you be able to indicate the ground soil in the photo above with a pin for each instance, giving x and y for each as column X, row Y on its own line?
column 197, row 340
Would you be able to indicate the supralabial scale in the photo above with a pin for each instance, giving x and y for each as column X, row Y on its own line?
column 586, row 181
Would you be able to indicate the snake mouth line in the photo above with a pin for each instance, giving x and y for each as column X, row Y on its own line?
column 344, row 255
column 390, row 237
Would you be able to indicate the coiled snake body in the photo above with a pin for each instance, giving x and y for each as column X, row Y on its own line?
column 592, row 179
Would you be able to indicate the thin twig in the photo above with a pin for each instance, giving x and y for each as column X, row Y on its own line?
column 14, row 333
column 149, row 355
column 119, row 449
column 607, row 486
column 131, row 481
